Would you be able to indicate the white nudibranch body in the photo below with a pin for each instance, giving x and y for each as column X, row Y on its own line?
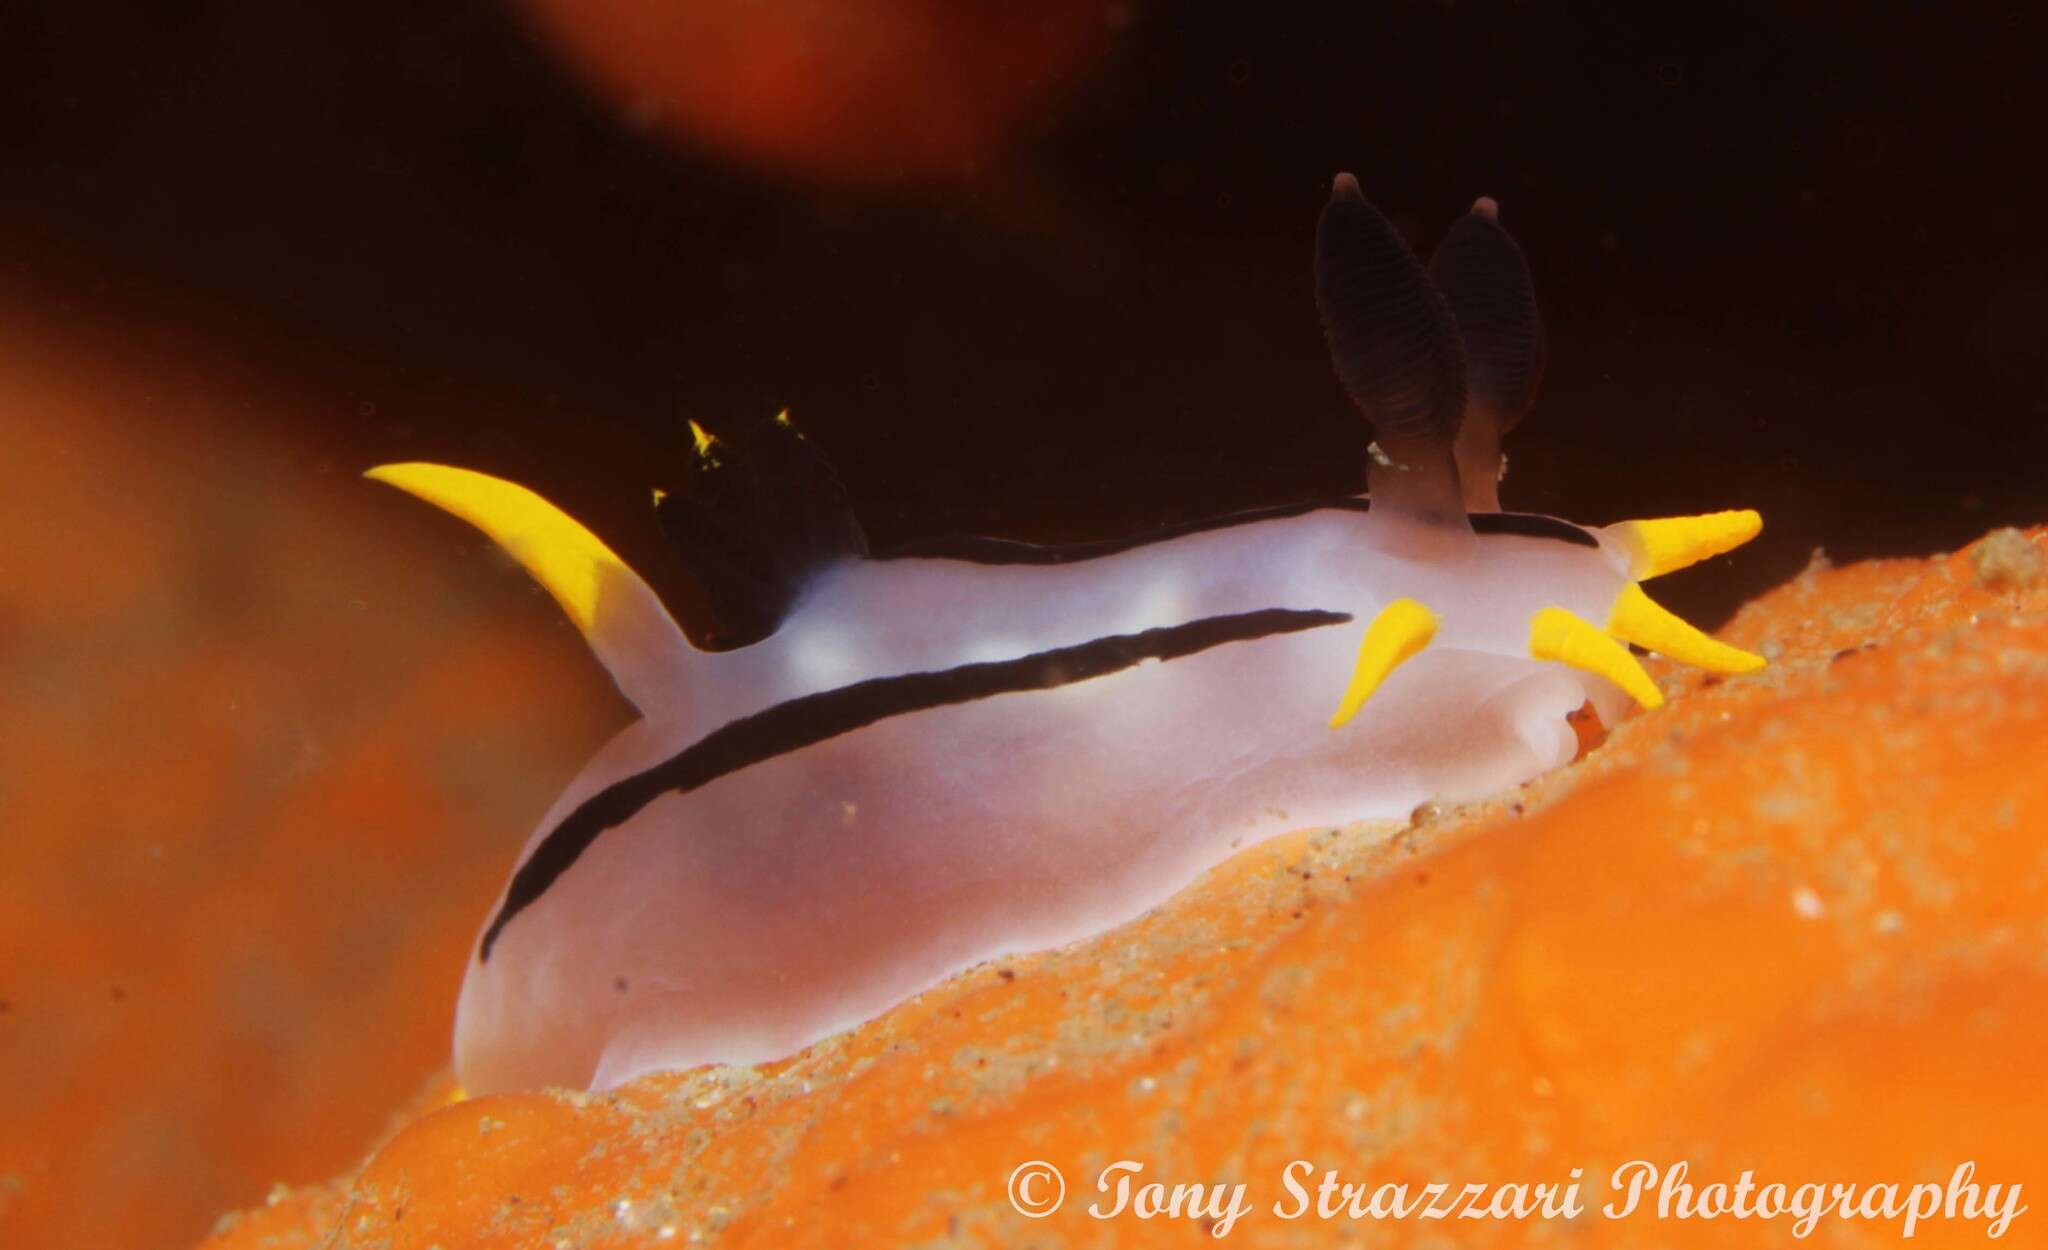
column 935, row 759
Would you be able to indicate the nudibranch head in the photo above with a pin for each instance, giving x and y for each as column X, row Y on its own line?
column 1442, row 361
column 856, row 773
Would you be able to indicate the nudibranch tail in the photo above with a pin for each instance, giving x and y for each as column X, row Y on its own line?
column 619, row 615
column 1639, row 619
column 1400, row 632
column 1666, row 544
column 1555, row 634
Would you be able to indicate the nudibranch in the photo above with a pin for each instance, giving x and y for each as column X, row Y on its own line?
column 923, row 759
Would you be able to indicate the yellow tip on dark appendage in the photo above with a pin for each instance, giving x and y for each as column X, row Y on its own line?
column 1639, row 619
column 1402, row 628
column 703, row 438
column 1666, row 544
column 1555, row 634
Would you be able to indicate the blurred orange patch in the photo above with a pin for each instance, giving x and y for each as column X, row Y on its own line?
column 862, row 92
column 263, row 761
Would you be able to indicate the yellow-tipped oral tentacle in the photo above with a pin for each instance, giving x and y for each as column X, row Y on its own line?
column 703, row 439
column 1639, row 619
column 1402, row 628
column 1555, row 634
column 1666, row 544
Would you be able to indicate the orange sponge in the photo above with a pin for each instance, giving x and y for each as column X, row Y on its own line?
column 1791, row 924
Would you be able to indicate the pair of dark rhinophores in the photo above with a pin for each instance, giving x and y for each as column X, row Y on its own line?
column 900, row 765
column 1446, row 359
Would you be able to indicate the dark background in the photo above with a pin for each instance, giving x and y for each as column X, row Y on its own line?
column 1789, row 254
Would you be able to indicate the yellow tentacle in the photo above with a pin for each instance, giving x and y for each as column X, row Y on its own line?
column 1555, row 634
column 1402, row 628
column 1665, row 544
column 1639, row 619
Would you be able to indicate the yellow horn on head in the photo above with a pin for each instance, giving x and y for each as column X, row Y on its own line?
column 1666, row 544
column 1639, row 619
column 1555, row 634
column 1402, row 629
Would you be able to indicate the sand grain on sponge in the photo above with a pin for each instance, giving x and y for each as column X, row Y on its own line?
column 1791, row 923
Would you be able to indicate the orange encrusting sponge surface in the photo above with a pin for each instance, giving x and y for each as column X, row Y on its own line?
column 1792, row 923
column 266, row 746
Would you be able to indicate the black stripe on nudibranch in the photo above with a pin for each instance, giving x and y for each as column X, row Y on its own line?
column 974, row 550
column 1531, row 525
column 814, row 718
